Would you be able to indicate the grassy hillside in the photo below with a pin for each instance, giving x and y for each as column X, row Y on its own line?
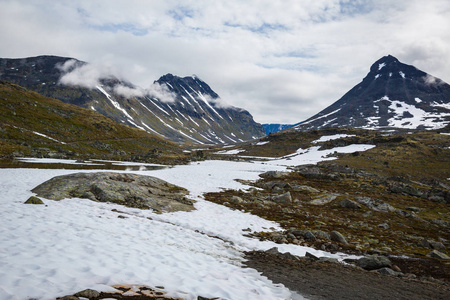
column 34, row 125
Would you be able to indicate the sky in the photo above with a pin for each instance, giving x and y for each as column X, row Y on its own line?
column 283, row 61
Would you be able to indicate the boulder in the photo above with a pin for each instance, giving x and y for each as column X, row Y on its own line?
column 273, row 174
column 375, row 204
column 322, row 199
column 283, row 198
column 236, row 200
column 373, row 262
column 131, row 190
column 387, row 271
column 438, row 254
column 88, row 293
column 33, row 200
column 338, row 237
column 347, row 203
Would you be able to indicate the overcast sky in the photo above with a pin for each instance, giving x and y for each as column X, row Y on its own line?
column 282, row 60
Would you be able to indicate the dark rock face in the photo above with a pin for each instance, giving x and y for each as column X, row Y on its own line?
column 131, row 190
column 374, row 262
column 192, row 112
column 392, row 94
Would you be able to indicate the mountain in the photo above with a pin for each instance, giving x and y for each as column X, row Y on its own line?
column 392, row 95
column 272, row 128
column 179, row 109
column 35, row 125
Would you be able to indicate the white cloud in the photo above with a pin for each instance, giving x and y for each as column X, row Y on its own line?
column 281, row 60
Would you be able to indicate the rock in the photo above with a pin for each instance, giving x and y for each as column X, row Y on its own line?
column 236, row 200
column 289, row 255
column 387, row 271
column 68, row 297
column 131, row 190
column 309, row 236
column 328, row 259
column 375, row 204
column 311, row 256
column 273, row 250
column 347, row 203
column 283, row 198
column 373, row 262
column 322, row 199
column 338, row 237
column 437, row 254
column 413, row 209
column 274, row 174
column 33, row 200
column 305, row 188
column 437, row 245
column 321, row 234
column 88, row 293
column 384, row 226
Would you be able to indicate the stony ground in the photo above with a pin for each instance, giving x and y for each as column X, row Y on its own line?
column 325, row 280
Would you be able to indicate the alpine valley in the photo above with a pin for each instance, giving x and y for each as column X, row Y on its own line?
column 178, row 109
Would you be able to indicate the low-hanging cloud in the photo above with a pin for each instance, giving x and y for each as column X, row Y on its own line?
column 76, row 73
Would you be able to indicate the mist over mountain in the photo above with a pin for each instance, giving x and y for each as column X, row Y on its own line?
column 178, row 109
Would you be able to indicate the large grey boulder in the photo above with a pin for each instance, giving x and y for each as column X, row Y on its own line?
column 376, row 204
column 131, row 190
column 338, row 237
column 374, row 262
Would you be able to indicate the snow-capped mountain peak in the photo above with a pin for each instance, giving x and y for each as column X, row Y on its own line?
column 392, row 95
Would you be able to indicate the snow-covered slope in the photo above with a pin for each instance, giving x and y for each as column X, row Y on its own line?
column 178, row 109
column 392, row 95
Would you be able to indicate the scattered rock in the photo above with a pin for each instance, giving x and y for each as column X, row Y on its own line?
column 68, row 297
column 387, row 271
column 236, row 200
column 283, row 198
column 338, row 237
column 384, row 226
column 438, row 254
column 323, row 199
column 375, row 204
column 88, row 293
column 373, row 262
column 131, row 190
column 34, row 200
column 311, row 256
column 328, row 259
column 347, row 203
column 305, row 188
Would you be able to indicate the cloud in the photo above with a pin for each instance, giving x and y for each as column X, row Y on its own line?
column 281, row 60
column 161, row 92
column 85, row 75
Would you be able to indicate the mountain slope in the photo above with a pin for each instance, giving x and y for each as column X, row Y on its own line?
column 32, row 124
column 178, row 109
column 392, row 95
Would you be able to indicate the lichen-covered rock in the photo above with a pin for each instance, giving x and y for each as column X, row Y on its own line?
column 88, row 293
column 131, row 190
column 283, row 198
column 347, row 203
column 437, row 254
column 338, row 237
column 376, row 204
column 33, row 200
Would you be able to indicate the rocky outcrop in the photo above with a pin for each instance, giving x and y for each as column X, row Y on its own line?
column 33, row 200
column 131, row 190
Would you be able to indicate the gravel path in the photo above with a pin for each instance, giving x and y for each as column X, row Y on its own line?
column 320, row 280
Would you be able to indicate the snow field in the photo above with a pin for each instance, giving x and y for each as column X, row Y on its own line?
column 66, row 246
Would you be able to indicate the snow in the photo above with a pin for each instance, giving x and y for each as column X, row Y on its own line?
column 261, row 143
column 47, row 137
column 323, row 116
column 331, row 137
column 376, row 76
column 418, row 100
column 159, row 107
column 66, row 246
column 380, row 66
column 420, row 117
column 230, row 152
column 442, row 105
column 402, row 74
column 114, row 103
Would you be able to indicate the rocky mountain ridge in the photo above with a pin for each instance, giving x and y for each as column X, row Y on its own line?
column 392, row 95
column 179, row 109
